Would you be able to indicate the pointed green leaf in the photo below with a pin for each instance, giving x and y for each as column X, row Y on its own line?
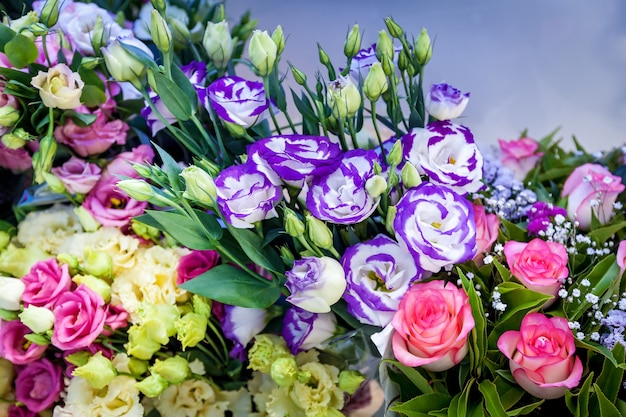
column 182, row 81
column 414, row 375
column 492, row 399
column 173, row 97
column 611, row 377
column 252, row 245
column 607, row 408
column 524, row 410
column 478, row 335
column 602, row 234
column 21, row 51
column 184, row 230
column 171, row 168
column 92, row 96
column 421, row 405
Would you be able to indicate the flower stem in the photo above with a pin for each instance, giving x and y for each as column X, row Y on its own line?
column 375, row 123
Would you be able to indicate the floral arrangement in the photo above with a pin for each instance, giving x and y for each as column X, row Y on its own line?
column 182, row 237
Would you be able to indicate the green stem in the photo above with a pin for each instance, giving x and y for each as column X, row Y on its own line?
column 355, row 144
column 375, row 123
column 291, row 124
column 219, row 336
column 208, row 139
column 342, row 135
column 266, row 85
column 209, row 354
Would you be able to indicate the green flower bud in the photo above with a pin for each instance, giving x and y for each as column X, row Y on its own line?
column 375, row 186
column 236, row 130
column 267, row 348
column 394, row 29
column 97, row 285
column 144, row 231
column 353, row 42
column 89, row 62
column 8, row 116
column 97, row 263
column 279, row 39
column 350, row 381
column 286, row 254
column 161, row 34
column 145, row 171
column 220, row 13
column 98, row 371
column 174, row 370
column 391, row 215
column 388, row 66
column 323, row 56
column 410, row 177
column 18, row 261
column 218, row 43
column 24, row 22
column 38, row 319
column 5, row 238
column 137, row 367
column 159, row 5
column 284, row 371
column 38, row 29
column 298, row 75
column 293, row 225
column 43, row 158
column 423, row 47
column 319, row 233
column 159, row 321
column 211, row 167
column 180, row 32
column 262, row 51
column 16, row 139
column 89, row 223
column 384, row 46
column 54, row 183
column 199, row 185
column 403, row 60
column 70, row 260
column 140, row 345
column 138, row 189
column 201, row 305
column 152, row 386
column 124, row 65
column 191, row 329
column 343, row 97
column 49, row 13
column 98, row 36
column 375, row 83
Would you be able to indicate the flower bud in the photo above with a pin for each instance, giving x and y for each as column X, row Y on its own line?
column 54, row 183
column 161, row 34
column 180, row 32
column 286, row 253
column 43, row 158
column 89, row 223
column 293, row 225
column 388, row 66
column 159, row 321
column 159, row 5
column 191, row 329
column 319, row 233
column 284, row 371
column 384, row 46
column 353, row 42
column 343, row 97
column 423, row 48
column 262, row 51
column 98, row 371
column 410, row 177
column 391, row 215
column 38, row 29
column 323, row 56
column 394, row 29
column 5, row 238
column 375, row 186
column 18, row 261
column 98, row 36
column 199, row 185
column 140, row 345
column 218, row 43
column 350, row 381
column 11, row 290
column 137, row 366
column 124, row 65
column 279, row 39
column 266, row 350
column 49, row 13
column 152, row 386
column 70, row 260
column 16, row 139
column 375, row 83
column 137, row 189
column 236, row 130
column 97, row 285
column 298, row 75
column 89, row 62
column 174, row 370
column 144, row 231
column 394, row 157
column 201, row 305
column 98, row 263
column 38, row 319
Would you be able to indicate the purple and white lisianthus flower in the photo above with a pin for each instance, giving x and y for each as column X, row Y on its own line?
column 240, row 325
column 447, row 153
column 295, row 159
column 303, row 330
column 341, row 196
column 245, row 195
column 378, row 273
column 237, row 100
column 315, row 283
column 436, row 225
column 365, row 58
column 444, row 102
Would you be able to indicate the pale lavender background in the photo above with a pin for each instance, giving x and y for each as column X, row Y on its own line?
column 535, row 64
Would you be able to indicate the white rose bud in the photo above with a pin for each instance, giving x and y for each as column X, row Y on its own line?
column 11, row 290
column 38, row 319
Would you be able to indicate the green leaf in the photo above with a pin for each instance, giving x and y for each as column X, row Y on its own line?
column 81, row 119
column 492, row 400
column 478, row 335
column 527, row 409
column 602, row 234
column 513, row 231
column 22, row 78
column 171, row 168
column 8, row 315
column 421, row 405
column 182, row 81
column 597, row 348
column 230, row 285
column 21, row 51
column 578, row 404
column 92, row 96
column 252, row 245
column 37, row 339
column 611, row 377
column 304, row 106
column 505, row 274
column 172, row 96
column 556, row 173
column 212, row 227
column 459, row 404
column 509, row 393
column 413, row 375
column 607, row 408
column 6, row 34
column 601, row 277
column 184, row 230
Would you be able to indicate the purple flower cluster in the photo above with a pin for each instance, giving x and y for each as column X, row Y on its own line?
column 541, row 215
column 615, row 321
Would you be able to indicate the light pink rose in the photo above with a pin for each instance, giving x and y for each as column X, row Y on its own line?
column 591, row 188
column 541, row 356
column 196, row 263
column 432, row 325
column 487, row 226
column 79, row 318
column 78, row 175
column 539, row 265
column 117, row 318
column 95, row 138
column 122, row 165
column 520, row 155
column 110, row 206
column 15, row 160
column 38, row 385
column 45, row 282
column 621, row 256
column 12, row 346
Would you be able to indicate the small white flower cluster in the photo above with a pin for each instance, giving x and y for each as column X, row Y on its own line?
column 496, row 301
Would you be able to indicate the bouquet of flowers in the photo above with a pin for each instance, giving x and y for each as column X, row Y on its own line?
column 192, row 242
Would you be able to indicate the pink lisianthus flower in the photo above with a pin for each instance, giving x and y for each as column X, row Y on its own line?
column 95, row 138
column 110, row 206
column 38, row 385
column 520, row 155
column 77, row 175
column 45, row 282
column 196, row 263
column 621, row 256
column 122, row 165
column 12, row 346
column 15, row 160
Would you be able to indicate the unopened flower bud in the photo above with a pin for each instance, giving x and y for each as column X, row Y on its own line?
column 137, row 189
column 384, row 46
column 11, row 290
column 323, row 56
column 89, row 223
column 98, row 37
column 262, row 51
column 388, row 66
column 191, row 329
column 38, row 29
column 218, row 43
column 161, row 34
column 375, row 186
column 144, row 231
column 16, row 139
column 423, row 47
column 220, row 13
column 97, row 285
column 375, row 83
column 145, row 171
column 37, row 319
column 236, row 130
column 298, row 75
column 293, row 225
column 98, row 371
column 201, row 305
column 319, row 233
column 159, row 5
column 391, row 215
column 394, row 157
column 343, row 97
column 180, row 32
column 70, row 260
column 8, row 116
column 410, row 177
column 174, row 370
column 353, row 42
column 279, row 39
column 284, row 371
column 159, row 321
column 199, row 185
column 49, row 13
column 286, row 253
column 98, row 263
column 140, row 345
column 350, row 381
column 54, row 183
column 89, row 62
column 124, row 65
column 403, row 60
column 394, row 29
column 152, row 386
column 43, row 158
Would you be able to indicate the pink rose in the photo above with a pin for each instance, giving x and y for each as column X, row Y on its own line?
column 21, row 411
column 79, row 318
column 117, row 318
column 621, row 256
column 45, row 282
column 520, row 155
column 487, row 226
column 122, row 165
column 95, row 138
column 541, row 356
column 38, row 385
column 12, row 346
column 78, row 175
column 110, row 206
column 591, row 188
column 196, row 263
column 540, row 266
column 431, row 326
column 15, row 160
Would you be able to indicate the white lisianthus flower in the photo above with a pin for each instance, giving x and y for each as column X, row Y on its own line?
column 191, row 398
column 11, row 290
column 444, row 102
column 121, row 398
column 48, row 229
column 241, row 324
column 315, row 283
column 59, row 87
column 38, row 319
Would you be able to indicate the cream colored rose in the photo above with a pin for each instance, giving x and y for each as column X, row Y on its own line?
column 59, row 87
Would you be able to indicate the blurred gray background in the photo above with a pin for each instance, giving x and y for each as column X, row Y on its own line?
column 529, row 64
